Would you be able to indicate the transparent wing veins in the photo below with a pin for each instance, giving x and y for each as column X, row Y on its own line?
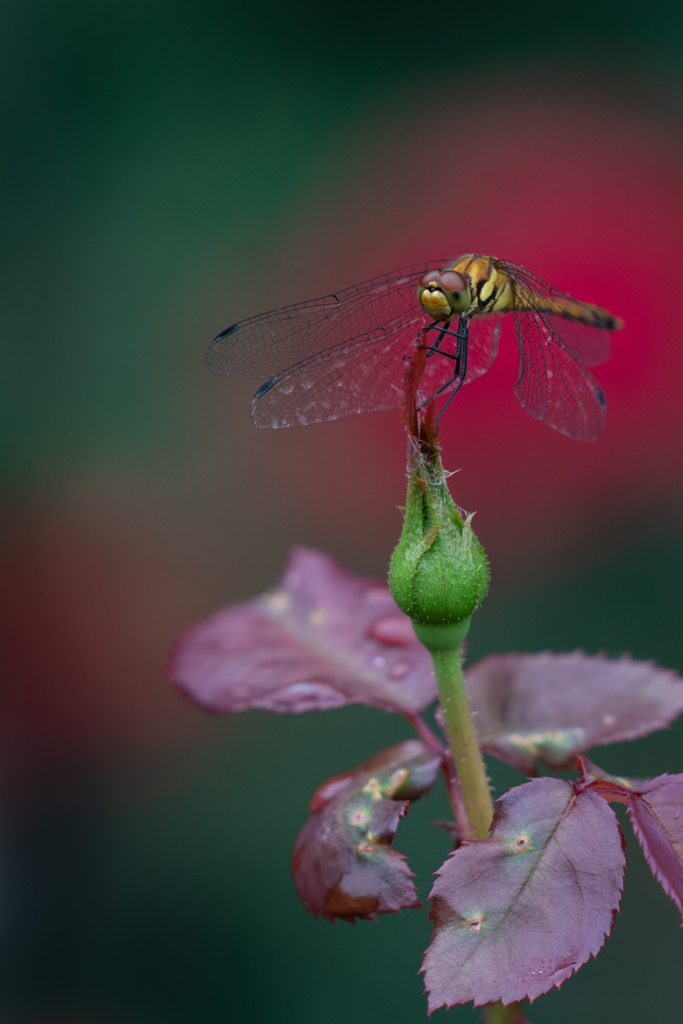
column 274, row 342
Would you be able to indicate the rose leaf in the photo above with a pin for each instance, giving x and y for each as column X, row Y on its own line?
column 343, row 863
column 517, row 913
column 550, row 707
column 656, row 812
column 322, row 639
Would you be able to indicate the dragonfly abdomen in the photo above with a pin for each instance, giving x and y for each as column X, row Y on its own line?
column 570, row 309
column 496, row 289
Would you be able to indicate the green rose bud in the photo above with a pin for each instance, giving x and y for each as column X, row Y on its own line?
column 438, row 572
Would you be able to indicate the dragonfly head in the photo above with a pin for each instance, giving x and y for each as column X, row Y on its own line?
column 443, row 293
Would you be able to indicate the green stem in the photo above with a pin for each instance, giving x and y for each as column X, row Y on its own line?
column 443, row 643
column 510, row 1014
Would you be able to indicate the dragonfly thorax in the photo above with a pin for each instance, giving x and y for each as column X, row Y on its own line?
column 490, row 286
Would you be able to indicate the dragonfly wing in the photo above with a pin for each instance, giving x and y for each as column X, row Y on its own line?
column 361, row 375
column 590, row 343
column 273, row 342
column 553, row 385
column 483, row 344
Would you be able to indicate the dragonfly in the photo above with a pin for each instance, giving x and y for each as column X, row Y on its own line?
column 345, row 353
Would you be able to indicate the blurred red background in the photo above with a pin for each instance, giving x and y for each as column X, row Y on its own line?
column 585, row 190
column 138, row 497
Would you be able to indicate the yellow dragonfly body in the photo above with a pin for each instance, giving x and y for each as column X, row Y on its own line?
column 495, row 289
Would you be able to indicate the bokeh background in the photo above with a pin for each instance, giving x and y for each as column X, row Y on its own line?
column 167, row 169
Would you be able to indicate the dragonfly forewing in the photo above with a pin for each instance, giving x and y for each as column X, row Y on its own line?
column 274, row 342
column 354, row 377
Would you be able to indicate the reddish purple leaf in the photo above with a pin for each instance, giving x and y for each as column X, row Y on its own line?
column 519, row 912
column 343, row 862
column 550, row 707
column 656, row 812
column 611, row 787
column 322, row 639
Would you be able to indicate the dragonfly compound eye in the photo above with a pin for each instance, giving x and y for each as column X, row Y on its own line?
column 455, row 291
column 450, row 281
column 430, row 278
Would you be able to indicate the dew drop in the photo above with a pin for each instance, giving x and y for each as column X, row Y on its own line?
column 393, row 630
column 399, row 670
column 277, row 601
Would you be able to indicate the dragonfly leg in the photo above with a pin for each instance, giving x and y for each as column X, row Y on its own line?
column 458, row 377
column 431, row 349
column 460, row 334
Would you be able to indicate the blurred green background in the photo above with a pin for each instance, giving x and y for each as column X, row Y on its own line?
column 168, row 168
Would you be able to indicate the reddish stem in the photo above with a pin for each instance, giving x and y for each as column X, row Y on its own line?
column 429, row 738
column 456, row 801
column 455, row 796
column 420, row 427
